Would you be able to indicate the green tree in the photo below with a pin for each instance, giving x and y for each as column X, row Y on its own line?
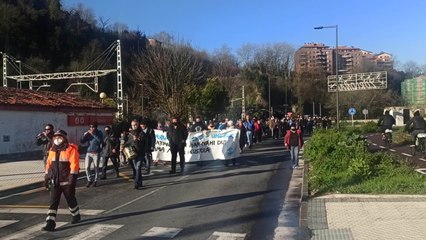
column 214, row 98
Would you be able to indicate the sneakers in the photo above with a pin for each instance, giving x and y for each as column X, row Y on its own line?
column 75, row 219
column 88, row 184
column 50, row 226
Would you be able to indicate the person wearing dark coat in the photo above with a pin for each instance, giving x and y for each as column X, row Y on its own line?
column 198, row 126
column 136, row 142
column 148, row 137
column 110, row 150
column 177, row 135
column 417, row 124
column 45, row 138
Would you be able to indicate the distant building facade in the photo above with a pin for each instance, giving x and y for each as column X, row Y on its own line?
column 319, row 57
column 413, row 92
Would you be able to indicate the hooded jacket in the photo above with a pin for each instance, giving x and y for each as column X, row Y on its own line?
column 60, row 167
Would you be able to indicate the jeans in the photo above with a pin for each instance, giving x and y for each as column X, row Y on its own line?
column 92, row 157
column 137, row 163
column 105, row 164
column 249, row 138
column 148, row 160
column 294, row 153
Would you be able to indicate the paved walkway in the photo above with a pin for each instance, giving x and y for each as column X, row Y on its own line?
column 16, row 174
column 20, row 173
column 367, row 217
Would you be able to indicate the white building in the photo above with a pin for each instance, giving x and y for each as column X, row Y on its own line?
column 24, row 114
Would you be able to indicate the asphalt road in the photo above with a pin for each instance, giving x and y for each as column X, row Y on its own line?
column 212, row 201
column 404, row 151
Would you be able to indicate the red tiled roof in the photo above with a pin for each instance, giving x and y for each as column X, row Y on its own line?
column 26, row 97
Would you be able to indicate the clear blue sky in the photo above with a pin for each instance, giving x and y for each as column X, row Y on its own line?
column 394, row 26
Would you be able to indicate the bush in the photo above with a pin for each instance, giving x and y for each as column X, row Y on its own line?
column 339, row 162
column 369, row 127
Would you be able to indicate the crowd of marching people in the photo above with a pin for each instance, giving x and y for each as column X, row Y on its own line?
column 135, row 146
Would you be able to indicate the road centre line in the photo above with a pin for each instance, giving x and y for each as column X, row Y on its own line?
column 145, row 195
column 406, row 154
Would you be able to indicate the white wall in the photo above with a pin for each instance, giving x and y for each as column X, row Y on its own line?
column 21, row 127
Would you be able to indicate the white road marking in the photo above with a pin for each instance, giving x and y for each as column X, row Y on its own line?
column 97, row 231
column 4, row 223
column 421, row 170
column 31, row 232
column 422, row 159
column 227, row 236
column 162, row 232
column 406, row 154
column 145, row 195
column 392, row 150
column 375, row 144
column 87, row 212
column 382, row 147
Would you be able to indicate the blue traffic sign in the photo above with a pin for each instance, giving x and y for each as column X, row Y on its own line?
column 352, row 111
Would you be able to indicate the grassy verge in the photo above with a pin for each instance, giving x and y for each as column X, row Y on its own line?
column 340, row 163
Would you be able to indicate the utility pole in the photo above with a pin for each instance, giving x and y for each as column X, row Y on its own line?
column 243, row 105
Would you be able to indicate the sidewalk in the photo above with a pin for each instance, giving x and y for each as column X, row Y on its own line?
column 16, row 175
column 341, row 216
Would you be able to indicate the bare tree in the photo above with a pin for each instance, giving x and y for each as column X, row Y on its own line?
column 86, row 14
column 167, row 75
column 412, row 69
column 310, row 86
column 226, row 68
column 163, row 37
column 275, row 61
column 119, row 27
column 103, row 23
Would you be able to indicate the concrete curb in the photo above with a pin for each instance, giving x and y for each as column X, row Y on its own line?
column 387, row 196
column 295, row 206
column 20, row 189
column 303, row 220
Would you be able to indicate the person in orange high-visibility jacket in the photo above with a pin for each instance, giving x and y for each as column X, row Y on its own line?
column 62, row 166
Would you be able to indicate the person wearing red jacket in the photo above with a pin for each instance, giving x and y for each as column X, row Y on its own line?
column 62, row 166
column 293, row 141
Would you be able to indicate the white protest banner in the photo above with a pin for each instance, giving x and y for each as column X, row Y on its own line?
column 201, row 146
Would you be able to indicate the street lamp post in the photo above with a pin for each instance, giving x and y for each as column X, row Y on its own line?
column 269, row 96
column 140, row 84
column 337, row 70
column 20, row 71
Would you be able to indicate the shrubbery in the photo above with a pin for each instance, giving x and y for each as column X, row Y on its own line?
column 340, row 162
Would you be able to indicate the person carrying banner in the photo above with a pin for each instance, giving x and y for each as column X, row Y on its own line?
column 177, row 135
